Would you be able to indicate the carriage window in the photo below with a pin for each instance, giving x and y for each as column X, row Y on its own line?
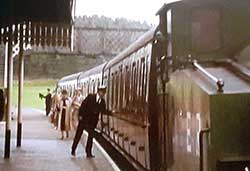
column 84, row 89
column 113, row 90
column 105, row 80
column 68, row 90
column 137, row 83
column 133, row 84
column 143, row 84
column 205, row 29
column 98, row 82
column 126, row 88
column 93, row 86
column 121, row 88
column 88, row 87
column 116, row 89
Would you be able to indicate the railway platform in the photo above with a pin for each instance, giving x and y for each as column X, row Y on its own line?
column 42, row 149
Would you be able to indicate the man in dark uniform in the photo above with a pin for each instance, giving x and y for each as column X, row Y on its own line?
column 89, row 111
column 48, row 101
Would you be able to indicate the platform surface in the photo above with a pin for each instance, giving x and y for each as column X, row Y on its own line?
column 42, row 149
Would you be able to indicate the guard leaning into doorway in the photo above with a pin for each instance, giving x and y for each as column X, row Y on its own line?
column 89, row 111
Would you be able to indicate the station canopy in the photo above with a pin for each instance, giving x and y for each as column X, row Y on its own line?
column 44, row 22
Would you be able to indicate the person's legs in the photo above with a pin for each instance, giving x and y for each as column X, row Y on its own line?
column 62, row 137
column 89, row 143
column 77, row 138
column 47, row 110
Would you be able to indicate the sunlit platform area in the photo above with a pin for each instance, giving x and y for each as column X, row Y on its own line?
column 42, row 149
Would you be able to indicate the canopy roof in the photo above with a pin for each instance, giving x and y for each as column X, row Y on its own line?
column 57, row 11
column 45, row 22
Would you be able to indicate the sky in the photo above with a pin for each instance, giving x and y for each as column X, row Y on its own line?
column 138, row 10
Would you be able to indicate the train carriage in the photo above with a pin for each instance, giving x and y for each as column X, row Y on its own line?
column 180, row 94
column 68, row 83
column 127, row 96
column 89, row 81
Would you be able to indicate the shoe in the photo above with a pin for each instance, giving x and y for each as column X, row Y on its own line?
column 73, row 153
column 90, row 156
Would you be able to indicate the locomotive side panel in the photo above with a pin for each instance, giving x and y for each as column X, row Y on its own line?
column 188, row 115
column 229, row 136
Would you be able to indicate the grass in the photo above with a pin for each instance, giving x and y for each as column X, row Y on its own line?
column 30, row 92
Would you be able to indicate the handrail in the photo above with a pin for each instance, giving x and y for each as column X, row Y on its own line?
column 219, row 82
column 206, row 130
column 241, row 68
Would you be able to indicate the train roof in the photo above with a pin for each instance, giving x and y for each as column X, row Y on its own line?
column 239, row 6
column 96, row 70
column 69, row 77
column 167, row 6
column 140, row 42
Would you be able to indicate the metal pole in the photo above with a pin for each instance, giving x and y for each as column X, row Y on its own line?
column 20, row 88
column 9, row 93
column 5, row 66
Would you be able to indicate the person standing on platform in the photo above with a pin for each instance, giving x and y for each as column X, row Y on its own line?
column 48, row 101
column 89, row 111
column 64, row 120
column 76, row 103
column 55, row 109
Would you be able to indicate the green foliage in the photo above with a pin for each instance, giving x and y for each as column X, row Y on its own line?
column 31, row 93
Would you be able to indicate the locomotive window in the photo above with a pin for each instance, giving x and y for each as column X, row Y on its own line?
column 205, row 29
column 169, row 21
column 169, row 32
